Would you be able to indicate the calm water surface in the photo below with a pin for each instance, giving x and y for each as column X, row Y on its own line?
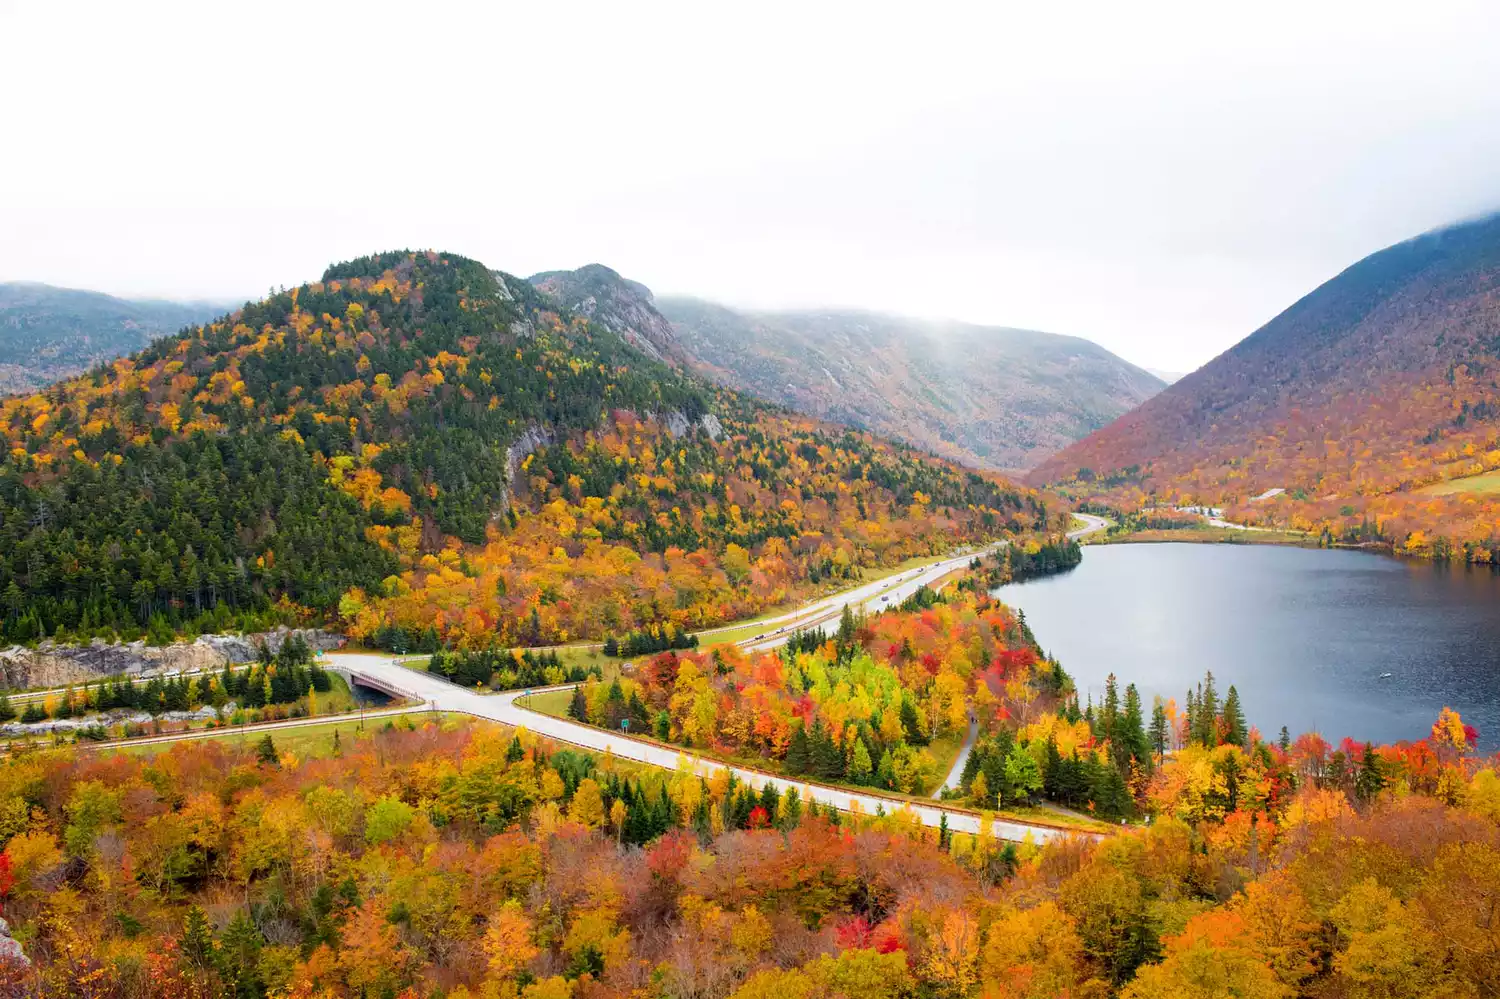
column 1303, row 634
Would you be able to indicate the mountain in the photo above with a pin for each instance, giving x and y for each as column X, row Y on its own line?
column 623, row 307
column 427, row 450
column 48, row 333
column 1373, row 404
column 988, row 396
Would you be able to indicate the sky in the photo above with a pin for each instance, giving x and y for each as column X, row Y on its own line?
column 1159, row 178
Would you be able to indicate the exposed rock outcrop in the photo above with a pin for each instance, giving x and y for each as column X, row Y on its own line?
column 10, row 949
column 626, row 308
column 52, row 665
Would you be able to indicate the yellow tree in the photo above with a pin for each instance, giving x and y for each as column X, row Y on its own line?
column 508, row 940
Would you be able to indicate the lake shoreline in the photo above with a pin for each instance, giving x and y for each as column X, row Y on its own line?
column 1306, row 634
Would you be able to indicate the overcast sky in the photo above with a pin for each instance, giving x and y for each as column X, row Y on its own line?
column 1161, row 182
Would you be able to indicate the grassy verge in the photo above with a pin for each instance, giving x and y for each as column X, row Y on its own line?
column 551, row 702
column 306, row 741
column 1489, row 482
column 1207, row 535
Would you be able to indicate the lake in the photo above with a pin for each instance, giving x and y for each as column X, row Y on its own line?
column 1303, row 634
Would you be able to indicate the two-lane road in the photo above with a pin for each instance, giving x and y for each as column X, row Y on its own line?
column 504, row 708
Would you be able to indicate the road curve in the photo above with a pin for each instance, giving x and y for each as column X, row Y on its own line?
column 444, row 696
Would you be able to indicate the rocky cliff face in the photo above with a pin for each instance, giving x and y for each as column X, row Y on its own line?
column 626, row 308
column 50, row 665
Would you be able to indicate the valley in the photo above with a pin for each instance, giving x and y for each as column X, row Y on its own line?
column 1362, row 414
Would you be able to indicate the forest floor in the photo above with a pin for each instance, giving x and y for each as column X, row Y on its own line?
column 1207, row 535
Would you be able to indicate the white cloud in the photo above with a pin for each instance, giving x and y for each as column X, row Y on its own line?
column 1161, row 179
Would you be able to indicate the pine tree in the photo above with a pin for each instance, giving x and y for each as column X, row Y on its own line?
column 578, row 707
column 1235, row 731
column 1052, row 769
column 770, row 802
column 239, row 956
column 1370, row 779
column 265, row 751
column 1159, row 728
column 1208, row 712
column 846, row 628
column 197, row 940
column 945, row 835
column 1132, row 729
column 1285, row 742
column 911, row 723
column 798, row 752
column 1109, row 715
column 791, row 809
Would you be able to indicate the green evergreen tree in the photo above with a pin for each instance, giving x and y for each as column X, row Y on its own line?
column 791, row 810
column 197, row 940
column 1159, row 727
column 1370, row 780
column 239, row 957
column 798, row 752
column 1132, row 730
column 578, row 705
column 1109, row 715
column 265, row 751
column 1235, row 731
column 911, row 723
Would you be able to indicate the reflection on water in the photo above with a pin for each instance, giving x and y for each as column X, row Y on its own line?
column 1305, row 635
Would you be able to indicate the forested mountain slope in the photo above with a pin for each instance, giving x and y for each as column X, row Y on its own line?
column 987, row 396
column 1374, row 402
column 428, row 446
column 48, row 333
column 623, row 307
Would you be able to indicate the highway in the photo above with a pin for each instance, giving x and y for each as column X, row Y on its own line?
column 508, row 708
column 441, row 695
column 430, row 692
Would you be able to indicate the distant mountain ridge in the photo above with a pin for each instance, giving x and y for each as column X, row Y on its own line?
column 1373, row 402
column 991, row 397
column 994, row 397
column 48, row 333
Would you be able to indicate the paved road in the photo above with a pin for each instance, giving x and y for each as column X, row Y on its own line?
column 1091, row 525
column 955, row 775
column 434, row 693
column 503, row 708
column 882, row 594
